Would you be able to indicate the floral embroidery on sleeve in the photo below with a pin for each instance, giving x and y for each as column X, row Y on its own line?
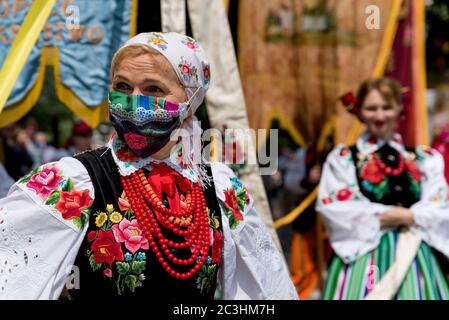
column 58, row 192
column 236, row 199
column 345, row 194
column 118, row 246
column 345, row 153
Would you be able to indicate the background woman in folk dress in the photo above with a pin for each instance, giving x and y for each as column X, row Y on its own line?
column 370, row 190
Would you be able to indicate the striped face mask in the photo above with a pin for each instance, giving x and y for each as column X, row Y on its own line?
column 145, row 123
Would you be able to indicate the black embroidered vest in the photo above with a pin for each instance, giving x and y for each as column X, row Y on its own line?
column 112, row 264
column 402, row 190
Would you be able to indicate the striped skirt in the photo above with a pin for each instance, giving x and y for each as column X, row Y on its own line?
column 424, row 279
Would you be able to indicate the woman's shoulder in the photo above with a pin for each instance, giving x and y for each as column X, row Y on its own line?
column 428, row 159
column 53, row 173
column 235, row 199
column 59, row 188
column 425, row 152
column 341, row 154
column 224, row 178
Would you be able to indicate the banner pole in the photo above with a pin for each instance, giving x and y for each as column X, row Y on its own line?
column 21, row 48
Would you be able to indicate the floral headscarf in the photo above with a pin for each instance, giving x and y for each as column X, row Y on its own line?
column 186, row 56
column 192, row 68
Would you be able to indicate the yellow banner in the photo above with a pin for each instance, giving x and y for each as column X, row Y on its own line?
column 20, row 50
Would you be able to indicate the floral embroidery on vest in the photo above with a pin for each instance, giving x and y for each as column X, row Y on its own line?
column 209, row 269
column 375, row 181
column 118, row 248
column 118, row 245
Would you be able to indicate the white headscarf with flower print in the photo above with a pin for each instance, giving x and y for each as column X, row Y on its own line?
column 187, row 58
column 190, row 63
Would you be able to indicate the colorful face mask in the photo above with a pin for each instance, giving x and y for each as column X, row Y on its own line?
column 145, row 123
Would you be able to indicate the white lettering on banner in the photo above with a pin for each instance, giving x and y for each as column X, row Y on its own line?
column 70, row 24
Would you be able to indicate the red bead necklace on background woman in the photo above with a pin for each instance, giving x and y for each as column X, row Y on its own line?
column 190, row 222
column 388, row 170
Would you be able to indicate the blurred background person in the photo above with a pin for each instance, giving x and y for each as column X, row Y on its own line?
column 303, row 177
column 440, row 126
column 374, row 190
column 80, row 140
column 5, row 180
column 18, row 161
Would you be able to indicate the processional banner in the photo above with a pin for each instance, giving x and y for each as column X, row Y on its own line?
column 298, row 56
column 79, row 39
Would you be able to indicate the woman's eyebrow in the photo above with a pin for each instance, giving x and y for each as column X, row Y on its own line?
column 120, row 77
column 152, row 80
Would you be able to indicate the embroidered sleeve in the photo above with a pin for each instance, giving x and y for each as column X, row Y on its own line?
column 253, row 267
column 349, row 217
column 53, row 186
column 232, row 195
column 431, row 213
column 42, row 229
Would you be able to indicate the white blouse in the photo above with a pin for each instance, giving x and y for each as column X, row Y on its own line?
column 38, row 246
column 352, row 219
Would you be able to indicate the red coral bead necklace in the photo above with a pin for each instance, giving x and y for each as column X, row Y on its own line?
column 389, row 170
column 191, row 223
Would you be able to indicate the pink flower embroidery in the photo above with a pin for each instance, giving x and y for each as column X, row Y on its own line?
column 45, row 182
column 190, row 44
column 129, row 233
column 135, row 141
column 107, row 273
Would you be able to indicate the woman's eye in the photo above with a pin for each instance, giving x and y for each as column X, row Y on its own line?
column 154, row 89
column 370, row 108
column 122, row 86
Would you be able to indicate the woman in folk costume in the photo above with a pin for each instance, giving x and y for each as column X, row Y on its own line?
column 144, row 217
column 385, row 207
